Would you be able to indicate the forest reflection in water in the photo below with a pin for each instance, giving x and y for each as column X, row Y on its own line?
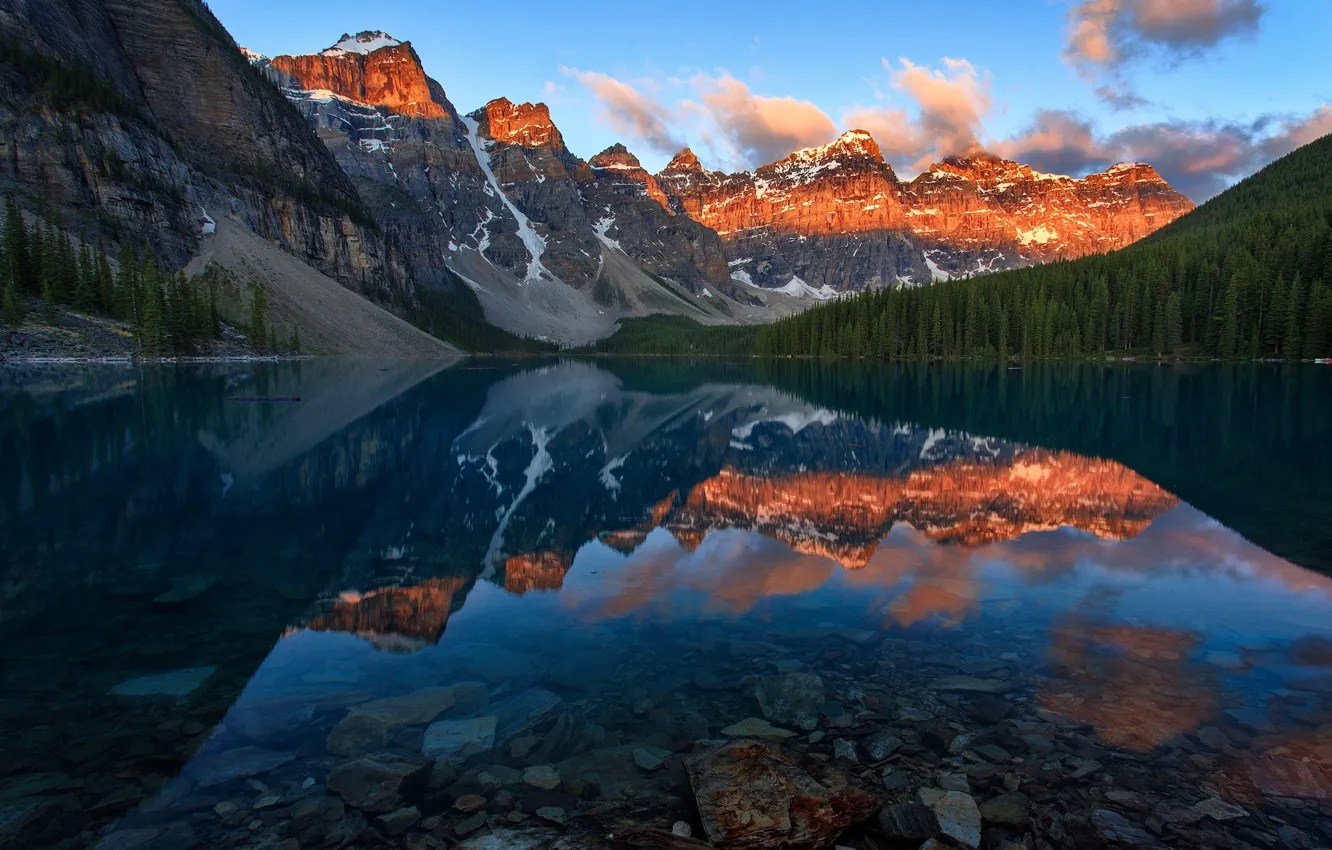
column 1053, row 590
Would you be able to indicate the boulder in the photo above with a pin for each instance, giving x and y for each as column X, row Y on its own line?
column 368, row 727
column 750, row 796
column 753, row 727
column 457, row 740
column 794, row 699
column 958, row 818
column 380, row 782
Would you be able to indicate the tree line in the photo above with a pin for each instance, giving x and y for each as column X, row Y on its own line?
column 1248, row 275
column 168, row 313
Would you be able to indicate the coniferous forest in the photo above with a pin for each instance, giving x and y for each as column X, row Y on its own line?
column 1247, row 275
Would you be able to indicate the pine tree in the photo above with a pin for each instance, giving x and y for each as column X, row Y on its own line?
column 258, row 309
column 295, row 340
column 106, row 287
column 1294, row 304
column 17, row 253
column 1174, row 321
column 85, row 297
column 1228, row 340
column 14, row 310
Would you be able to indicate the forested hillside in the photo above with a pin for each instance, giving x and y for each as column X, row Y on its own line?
column 1247, row 275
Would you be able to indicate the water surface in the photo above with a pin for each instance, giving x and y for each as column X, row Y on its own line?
column 1091, row 589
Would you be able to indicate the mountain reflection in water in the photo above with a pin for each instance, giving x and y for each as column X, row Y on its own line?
column 603, row 562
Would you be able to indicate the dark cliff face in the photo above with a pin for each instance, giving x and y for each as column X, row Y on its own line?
column 192, row 129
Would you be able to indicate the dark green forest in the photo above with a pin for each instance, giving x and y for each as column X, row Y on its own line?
column 168, row 313
column 675, row 336
column 1247, row 275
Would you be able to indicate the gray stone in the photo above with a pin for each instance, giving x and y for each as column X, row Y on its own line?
column 456, row 740
column 881, row 745
column 954, row 782
column 378, row 783
column 959, row 818
column 506, row 839
column 972, row 685
column 369, row 726
column 221, row 768
column 682, row 829
column 793, row 699
column 1011, row 809
column 522, row 713
column 177, row 685
column 542, row 777
column 398, row 821
column 470, row 825
column 753, row 727
column 990, row 708
column 651, row 758
column 907, row 822
column 994, row 753
column 1115, row 828
column 844, row 749
column 554, row 814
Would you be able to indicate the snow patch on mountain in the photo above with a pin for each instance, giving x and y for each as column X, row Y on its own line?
column 800, row 289
column 535, row 244
column 362, row 43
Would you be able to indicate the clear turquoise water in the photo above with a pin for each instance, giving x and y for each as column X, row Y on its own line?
column 1132, row 557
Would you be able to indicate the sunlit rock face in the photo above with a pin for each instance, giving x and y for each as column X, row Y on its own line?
column 801, row 216
column 369, row 68
column 984, row 213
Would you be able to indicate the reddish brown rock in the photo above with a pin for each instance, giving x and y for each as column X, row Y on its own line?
column 750, row 796
column 802, row 216
column 370, row 68
column 536, row 571
column 982, row 202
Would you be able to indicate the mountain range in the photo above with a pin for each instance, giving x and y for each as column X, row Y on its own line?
column 176, row 134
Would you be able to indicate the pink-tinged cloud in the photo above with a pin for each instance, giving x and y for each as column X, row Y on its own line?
column 760, row 129
column 629, row 111
column 1103, row 34
column 951, row 103
column 1199, row 158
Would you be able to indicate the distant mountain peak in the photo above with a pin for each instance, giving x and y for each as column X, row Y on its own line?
column 527, row 124
column 684, row 161
column 852, row 142
column 363, row 43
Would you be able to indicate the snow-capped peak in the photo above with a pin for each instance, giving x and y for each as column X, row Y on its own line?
column 252, row 57
column 362, row 43
column 856, row 142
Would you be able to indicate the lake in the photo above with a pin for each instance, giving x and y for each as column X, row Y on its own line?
column 658, row 603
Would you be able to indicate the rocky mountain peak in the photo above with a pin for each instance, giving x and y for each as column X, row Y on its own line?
column 370, row 68
column 527, row 124
column 363, row 43
column 684, row 162
column 617, row 155
column 621, row 167
column 853, row 143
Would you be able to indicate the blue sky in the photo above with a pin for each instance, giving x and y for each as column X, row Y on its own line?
column 1214, row 88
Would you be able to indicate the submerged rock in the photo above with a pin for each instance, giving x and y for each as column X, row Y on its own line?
column 542, row 777
column 522, row 713
column 753, row 727
column 750, row 796
column 959, row 819
column 456, row 740
column 881, row 745
column 794, row 699
column 1115, row 828
column 378, row 783
column 240, row 763
column 651, row 758
column 368, row 727
column 907, row 821
column 972, row 685
column 178, row 684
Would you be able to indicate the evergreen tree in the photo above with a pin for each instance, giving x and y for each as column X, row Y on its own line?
column 1294, row 304
column 1227, row 345
column 17, row 253
column 14, row 310
column 258, row 309
column 1174, row 321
